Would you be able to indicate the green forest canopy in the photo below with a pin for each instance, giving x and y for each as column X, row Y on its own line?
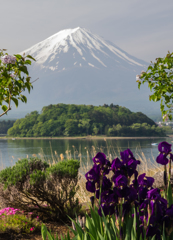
column 5, row 125
column 80, row 120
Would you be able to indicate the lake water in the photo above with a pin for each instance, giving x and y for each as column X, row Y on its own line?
column 83, row 149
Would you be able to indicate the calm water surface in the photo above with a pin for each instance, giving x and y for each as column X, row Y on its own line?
column 12, row 150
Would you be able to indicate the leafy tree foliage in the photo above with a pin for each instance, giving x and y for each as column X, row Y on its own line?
column 159, row 77
column 5, row 125
column 71, row 120
column 14, row 79
column 136, row 130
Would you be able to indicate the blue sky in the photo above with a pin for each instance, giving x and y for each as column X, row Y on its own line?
column 142, row 28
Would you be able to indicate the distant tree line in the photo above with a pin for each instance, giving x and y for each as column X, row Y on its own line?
column 5, row 125
column 81, row 120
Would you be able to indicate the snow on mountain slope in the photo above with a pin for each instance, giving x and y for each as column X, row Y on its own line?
column 77, row 66
column 82, row 48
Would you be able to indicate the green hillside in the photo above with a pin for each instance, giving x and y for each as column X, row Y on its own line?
column 81, row 120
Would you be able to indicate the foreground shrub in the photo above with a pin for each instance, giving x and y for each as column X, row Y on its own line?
column 31, row 185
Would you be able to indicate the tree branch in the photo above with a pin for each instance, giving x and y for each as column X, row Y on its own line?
column 35, row 80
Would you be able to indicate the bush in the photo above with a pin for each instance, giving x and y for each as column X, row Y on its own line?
column 31, row 185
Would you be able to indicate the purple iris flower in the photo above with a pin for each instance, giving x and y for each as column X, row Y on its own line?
column 160, row 209
column 132, row 163
column 164, row 202
column 97, row 193
column 145, row 181
column 162, row 159
column 123, row 192
column 100, row 158
column 171, row 156
column 112, row 198
column 109, row 196
column 93, row 173
column 120, row 181
column 168, row 216
column 142, row 193
column 106, row 183
column 90, row 186
column 116, row 164
column 116, row 174
column 153, row 207
column 164, row 147
column 153, row 193
column 169, row 211
column 144, row 204
column 126, row 155
column 157, row 204
column 106, row 197
column 132, row 195
column 106, row 167
column 130, row 172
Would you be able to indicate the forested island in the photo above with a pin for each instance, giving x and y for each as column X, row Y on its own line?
column 82, row 120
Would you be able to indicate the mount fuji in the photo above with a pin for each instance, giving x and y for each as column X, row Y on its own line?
column 77, row 66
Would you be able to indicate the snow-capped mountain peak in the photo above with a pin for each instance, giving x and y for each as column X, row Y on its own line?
column 79, row 47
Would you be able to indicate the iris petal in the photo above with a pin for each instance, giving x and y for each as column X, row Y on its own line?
column 162, row 159
column 164, row 147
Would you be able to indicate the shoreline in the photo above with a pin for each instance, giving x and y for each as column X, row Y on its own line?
column 86, row 138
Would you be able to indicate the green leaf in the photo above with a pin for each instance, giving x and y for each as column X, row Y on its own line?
column 18, row 56
column 29, row 56
column 28, row 86
column 96, row 218
column 141, row 237
column 28, row 79
column 23, row 98
column 78, row 229
column 164, row 237
column 171, row 236
column 169, row 196
column 28, row 62
column 113, row 225
column 128, row 228
column 43, row 231
column 101, row 237
column 15, row 101
column 91, row 227
column 108, row 234
column 133, row 233
column 50, row 237
column 4, row 108
column 23, row 69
